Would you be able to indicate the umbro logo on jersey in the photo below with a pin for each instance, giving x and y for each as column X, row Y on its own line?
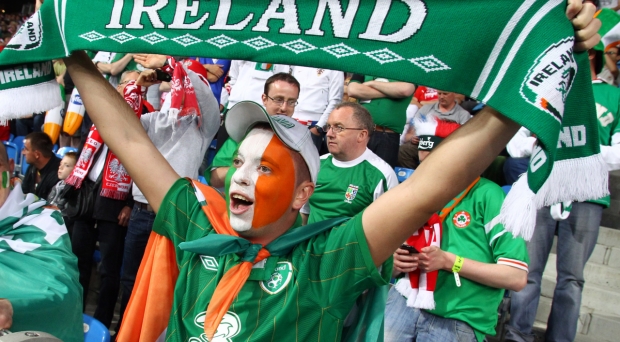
column 209, row 262
column 349, row 196
column 229, row 327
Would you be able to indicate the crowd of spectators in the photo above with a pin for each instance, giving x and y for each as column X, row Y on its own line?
column 361, row 126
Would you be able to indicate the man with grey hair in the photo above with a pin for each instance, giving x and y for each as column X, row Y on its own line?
column 351, row 175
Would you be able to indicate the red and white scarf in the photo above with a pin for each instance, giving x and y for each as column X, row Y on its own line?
column 116, row 181
column 183, row 100
column 419, row 285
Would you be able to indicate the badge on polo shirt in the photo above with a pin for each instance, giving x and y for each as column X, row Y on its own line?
column 461, row 219
column 264, row 66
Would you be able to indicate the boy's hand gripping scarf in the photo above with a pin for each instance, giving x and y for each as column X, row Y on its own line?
column 117, row 182
column 419, row 286
column 524, row 65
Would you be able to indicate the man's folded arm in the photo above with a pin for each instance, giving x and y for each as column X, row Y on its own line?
column 121, row 130
column 451, row 167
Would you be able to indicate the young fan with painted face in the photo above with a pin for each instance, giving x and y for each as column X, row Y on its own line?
column 299, row 285
column 280, row 96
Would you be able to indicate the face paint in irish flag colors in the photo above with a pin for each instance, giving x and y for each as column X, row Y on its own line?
column 6, row 180
column 262, row 187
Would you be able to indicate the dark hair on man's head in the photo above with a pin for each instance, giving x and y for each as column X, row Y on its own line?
column 281, row 76
column 41, row 142
column 72, row 155
column 360, row 114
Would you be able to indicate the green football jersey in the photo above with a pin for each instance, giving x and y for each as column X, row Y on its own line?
column 607, row 100
column 223, row 157
column 387, row 112
column 303, row 296
column 343, row 189
column 132, row 65
column 472, row 230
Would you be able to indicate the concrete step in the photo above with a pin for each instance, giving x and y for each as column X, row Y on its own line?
column 594, row 273
column 609, row 237
column 594, row 297
column 602, row 328
column 544, row 308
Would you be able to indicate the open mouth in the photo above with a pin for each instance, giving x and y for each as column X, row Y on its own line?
column 239, row 204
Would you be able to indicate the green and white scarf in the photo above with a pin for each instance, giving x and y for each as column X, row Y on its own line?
column 516, row 56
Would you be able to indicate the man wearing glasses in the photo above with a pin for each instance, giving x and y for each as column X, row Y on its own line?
column 351, row 176
column 281, row 92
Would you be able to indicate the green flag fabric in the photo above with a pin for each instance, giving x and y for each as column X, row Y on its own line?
column 38, row 271
column 610, row 27
column 516, row 56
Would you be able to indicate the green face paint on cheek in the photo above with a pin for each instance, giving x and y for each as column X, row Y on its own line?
column 5, row 179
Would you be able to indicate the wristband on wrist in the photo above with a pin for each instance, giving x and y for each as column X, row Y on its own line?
column 456, row 268
column 458, row 264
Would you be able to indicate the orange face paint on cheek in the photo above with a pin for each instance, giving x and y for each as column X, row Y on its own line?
column 274, row 192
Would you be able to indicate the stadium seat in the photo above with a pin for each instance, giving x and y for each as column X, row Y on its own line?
column 403, row 173
column 11, row 150
column 94, row 331
column 202, row 180
column 63, row 150
column 19, row 142
column 506, row 188
column 55, row 148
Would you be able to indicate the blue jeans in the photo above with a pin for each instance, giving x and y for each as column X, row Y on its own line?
column 138, row 232
column 576, row 240
column 403, row 323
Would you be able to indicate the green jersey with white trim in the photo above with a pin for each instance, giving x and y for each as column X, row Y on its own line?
column 303, row 296
column 343, row 189
column 607, row 100
column 472, row 230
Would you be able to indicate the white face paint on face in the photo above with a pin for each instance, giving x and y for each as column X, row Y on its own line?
column 243, row 182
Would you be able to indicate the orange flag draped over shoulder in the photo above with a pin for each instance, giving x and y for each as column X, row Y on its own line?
column 148, row 310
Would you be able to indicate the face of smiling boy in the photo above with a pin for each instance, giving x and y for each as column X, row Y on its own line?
column 263, row 185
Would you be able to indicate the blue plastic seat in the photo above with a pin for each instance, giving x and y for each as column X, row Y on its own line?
column 12, row 150
column 202, row 180
column 19, row 142
column 402, row 173
column 95, row 331
column 506, row 188
column 64, row 150
column 55, row 148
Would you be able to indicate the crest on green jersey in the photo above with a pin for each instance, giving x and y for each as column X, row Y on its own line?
column 229, row 327
column 279, row 278
column 349, row 196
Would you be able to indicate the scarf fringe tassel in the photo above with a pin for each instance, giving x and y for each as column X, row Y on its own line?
column 113, row 194
column 424, row 300
column 17, row 102
column 578, row 180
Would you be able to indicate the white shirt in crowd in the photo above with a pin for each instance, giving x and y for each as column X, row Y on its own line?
column 321, row 90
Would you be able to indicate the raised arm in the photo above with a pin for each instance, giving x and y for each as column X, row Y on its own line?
column 121, row 130
column 459, row 159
